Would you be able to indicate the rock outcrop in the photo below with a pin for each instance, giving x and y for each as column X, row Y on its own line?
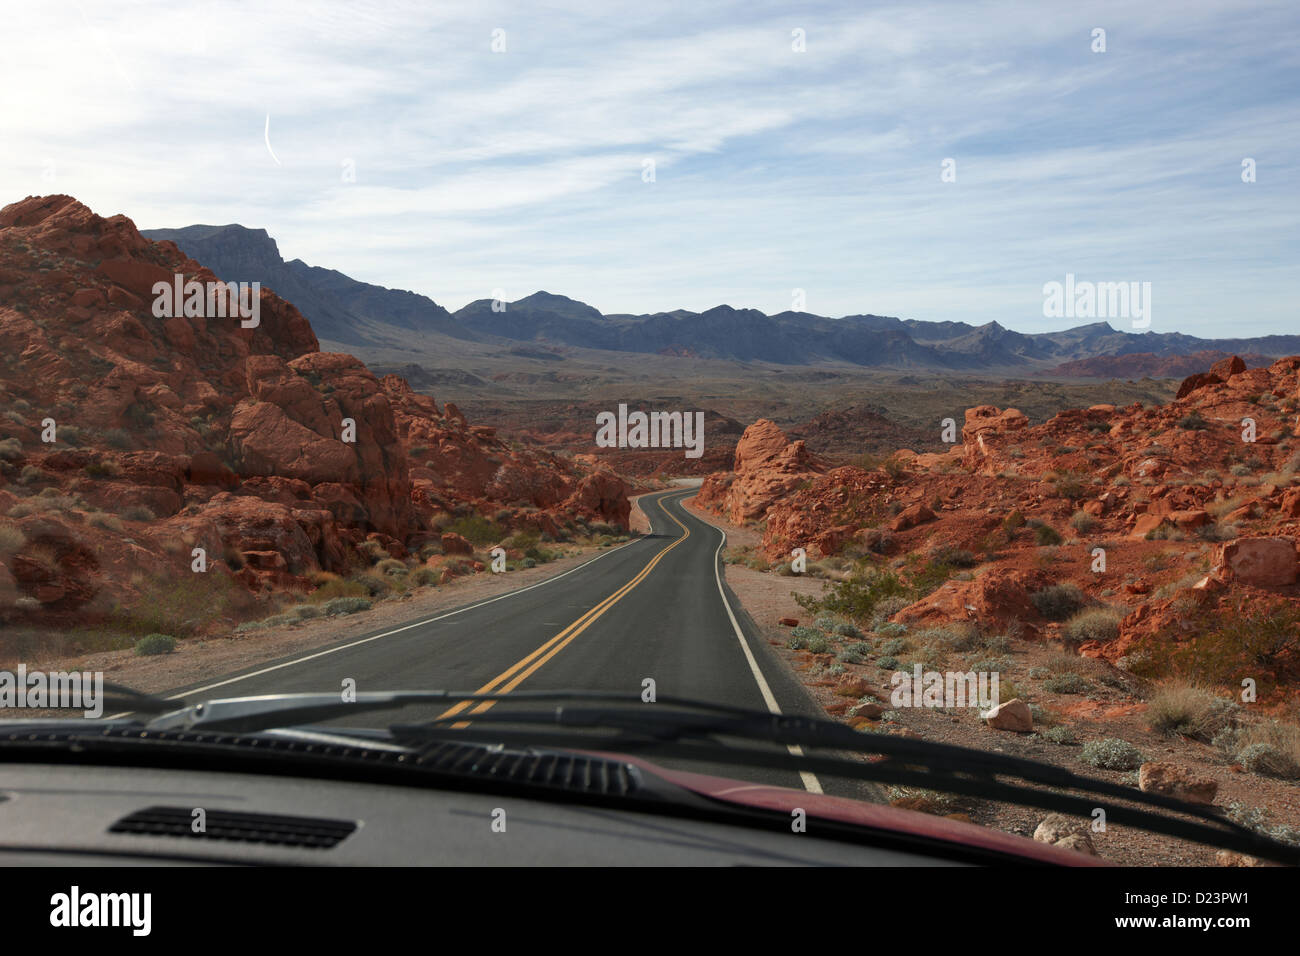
column 130, row 438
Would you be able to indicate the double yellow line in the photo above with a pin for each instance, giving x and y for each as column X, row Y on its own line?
column 521, row 670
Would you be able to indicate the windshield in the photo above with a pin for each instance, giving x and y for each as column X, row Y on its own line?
column 800, row 365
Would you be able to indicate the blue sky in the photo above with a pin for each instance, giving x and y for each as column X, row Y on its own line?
column 775, row 169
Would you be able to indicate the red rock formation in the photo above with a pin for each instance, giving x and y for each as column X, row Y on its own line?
column 191, row 431
column 767, row 467
column 1154, row 488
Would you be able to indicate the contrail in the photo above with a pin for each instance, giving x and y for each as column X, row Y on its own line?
column 267, row 137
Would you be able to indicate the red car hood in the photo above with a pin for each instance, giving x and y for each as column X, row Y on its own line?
column 870, row 815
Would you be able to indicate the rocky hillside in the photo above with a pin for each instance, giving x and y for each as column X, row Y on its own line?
column 1155, row 537
column 128, row 441
column 1149, row 365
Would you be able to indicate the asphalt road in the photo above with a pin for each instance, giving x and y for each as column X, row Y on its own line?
column 653, row 608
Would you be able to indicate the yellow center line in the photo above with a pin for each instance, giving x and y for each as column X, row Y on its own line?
column 521, row 670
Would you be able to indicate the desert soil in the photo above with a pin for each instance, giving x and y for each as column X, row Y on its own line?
column 1106, row 712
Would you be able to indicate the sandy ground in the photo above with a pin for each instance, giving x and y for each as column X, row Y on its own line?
column 210, row 659
column 1106, row 711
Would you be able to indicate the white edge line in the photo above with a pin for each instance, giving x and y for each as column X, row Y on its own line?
column 375, row 637
column 810, row 781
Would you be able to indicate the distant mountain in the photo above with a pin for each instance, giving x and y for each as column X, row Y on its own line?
column 339, row 308
column 547, row 325
column 1148, row 365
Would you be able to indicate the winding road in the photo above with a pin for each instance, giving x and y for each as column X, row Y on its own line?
column 657, row 607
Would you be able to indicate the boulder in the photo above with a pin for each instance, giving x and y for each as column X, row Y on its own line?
column 1175, row 781
column 1013, row 715
column 1263, row 562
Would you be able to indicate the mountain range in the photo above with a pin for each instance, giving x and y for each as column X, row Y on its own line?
column 353, row 313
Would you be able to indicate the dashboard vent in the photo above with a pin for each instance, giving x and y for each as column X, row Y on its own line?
column 277, row 829
column 576, row 773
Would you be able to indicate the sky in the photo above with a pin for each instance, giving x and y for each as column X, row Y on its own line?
column 468, row 151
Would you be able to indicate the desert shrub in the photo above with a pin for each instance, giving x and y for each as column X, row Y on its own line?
column 819, row 644
column 924, row 801
column 956, row 557
column 105, row 521
column 1060, row 734
column 1045, row 534
column 1039, row 673
column 958, row 636
column 424, row 577
column 856, row 596
column 894, row 646
column 155, row 643
column 479, row 531
column 1093, row 624
column 1193, row 421
column 824, row 623
column 11, row 449
column 530, row 562
column 1268, row 760
column 1070, row 485
column 1083, row 522
column 1257, row 819
column 1058, row 602
column 887, row 663
column 138, row 513
column 1223, row 645
column 11, row 538
column 887, row 608
column 845, row 629
column 855, row 653
column 336, row 587
column 1067, row 684
column 1179, row 708
column 1111, row 753
column 391, row 566
column 1271, row 748
column 176, row 605
column 347, row 605
column 304, row 612
column 376, row 585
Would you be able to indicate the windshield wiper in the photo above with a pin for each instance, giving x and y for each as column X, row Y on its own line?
column 699, row 731
column 689, row 731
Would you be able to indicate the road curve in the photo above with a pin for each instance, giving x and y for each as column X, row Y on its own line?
column 654, row 608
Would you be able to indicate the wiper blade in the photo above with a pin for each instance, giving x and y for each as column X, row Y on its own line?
column 690, row 731
column 246, row 715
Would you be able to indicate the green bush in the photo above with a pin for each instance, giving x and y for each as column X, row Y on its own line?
column 478, row 530
column 1095, row 624
column 1060, row 735
column 152, row 644
column 424, row 577
column 1083, row 522
column 347, row 605
column 1111, row 753
column 1059, row 601
column 1045, row 534
column 1265, row 758
column 1066, row 684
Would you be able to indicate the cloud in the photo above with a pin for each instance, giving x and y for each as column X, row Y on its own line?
column 774, row 169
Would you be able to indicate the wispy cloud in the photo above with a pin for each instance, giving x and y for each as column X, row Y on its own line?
column 774, row 169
